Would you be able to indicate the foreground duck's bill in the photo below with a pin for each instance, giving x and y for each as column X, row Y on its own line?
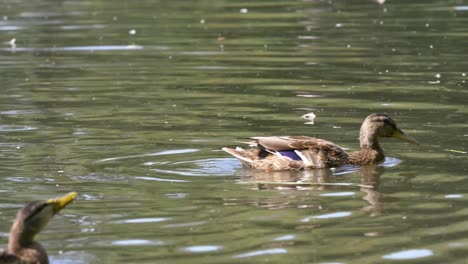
column 402, row 136
column 61, row 202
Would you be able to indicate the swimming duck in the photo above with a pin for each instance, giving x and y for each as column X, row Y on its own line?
column 278, row 153
column 30, row 220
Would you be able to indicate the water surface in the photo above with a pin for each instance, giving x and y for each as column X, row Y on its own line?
column 130, row 103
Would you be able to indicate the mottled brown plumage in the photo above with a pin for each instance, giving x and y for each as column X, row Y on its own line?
column 30, row 220
column 314, row 153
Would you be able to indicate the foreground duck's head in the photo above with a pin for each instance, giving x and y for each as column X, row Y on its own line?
column 32, row 218
column 376, row 126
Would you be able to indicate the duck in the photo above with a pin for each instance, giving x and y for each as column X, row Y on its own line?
column 30, row 220
column 282, row 153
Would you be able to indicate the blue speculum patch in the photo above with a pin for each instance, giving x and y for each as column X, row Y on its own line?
column 290, row 154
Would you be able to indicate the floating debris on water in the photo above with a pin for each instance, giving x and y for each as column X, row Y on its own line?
column 309, row 116
column 12, row 43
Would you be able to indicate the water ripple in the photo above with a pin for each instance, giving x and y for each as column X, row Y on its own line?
column 285, row 238
column 10, row 128
column 77, row 48
column 28, row 179
column 262, row 252
column 203, row 167
column 19, row 112
column 327, row 216
column 159, row 179
column 160, row 153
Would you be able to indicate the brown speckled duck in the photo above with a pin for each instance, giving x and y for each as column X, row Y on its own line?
column 278, row 153
column 31, row 219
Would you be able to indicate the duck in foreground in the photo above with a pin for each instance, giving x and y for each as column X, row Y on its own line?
column 278, row 153
column 31, row 219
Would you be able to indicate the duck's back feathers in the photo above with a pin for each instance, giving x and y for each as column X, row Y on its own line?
column 290, row 153
column 6, row 258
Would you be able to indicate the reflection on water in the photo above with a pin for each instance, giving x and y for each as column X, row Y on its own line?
column 130, row 104
column 84, row 48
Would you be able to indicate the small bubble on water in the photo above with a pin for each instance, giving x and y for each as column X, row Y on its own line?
column 338, row 25
column 438, row 75
column 463, row 74
column 427, row 24
column 132, row 32
column 431, row 46
column 348, row 46
column 202, row 21
column 244, row 10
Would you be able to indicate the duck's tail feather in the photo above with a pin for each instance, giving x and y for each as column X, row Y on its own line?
column 241, row 154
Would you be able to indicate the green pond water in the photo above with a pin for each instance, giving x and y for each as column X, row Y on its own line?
column 129, row 103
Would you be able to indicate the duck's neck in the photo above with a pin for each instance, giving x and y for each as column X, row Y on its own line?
column 370, row 152
column 25, row 248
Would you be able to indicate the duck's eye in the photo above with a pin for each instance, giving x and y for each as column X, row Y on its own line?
column 387, row 122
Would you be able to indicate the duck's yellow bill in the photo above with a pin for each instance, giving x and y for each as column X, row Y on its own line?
column 61, row 202
column 402, row 136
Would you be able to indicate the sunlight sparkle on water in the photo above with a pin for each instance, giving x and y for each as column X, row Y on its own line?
column 202, row 248
column 136, row 242
column 338, row 194
column 145, row 220
column 453, row 196
column 409, row 254
column 262, row 252
column 327, row 216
